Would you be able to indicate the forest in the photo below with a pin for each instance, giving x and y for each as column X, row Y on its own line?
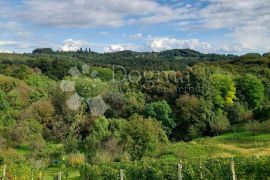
column 89, row 114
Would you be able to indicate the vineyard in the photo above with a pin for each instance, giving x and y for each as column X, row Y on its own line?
column 222, row 169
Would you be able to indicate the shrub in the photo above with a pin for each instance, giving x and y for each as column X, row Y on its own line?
column 3, row 100
column 253, row 127
column 236, row 113
column 162, row 111
column 220, row 124
column 76, row 159
column 143, row 135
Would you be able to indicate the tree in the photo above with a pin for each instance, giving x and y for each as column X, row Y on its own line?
column 224, row 90
column 250, row 90
column 117, row 105
column 196, row 82
column 43, row 50
column 99, row 131
column 236, row 113
column 161, row 111
column 194, row 116
column 89, row 88
column 142, row 136
column 263, row 113
column 134, row 102
column 220, row 123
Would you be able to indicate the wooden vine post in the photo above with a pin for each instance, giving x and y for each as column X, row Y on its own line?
column 59, row 175
column 4, row 170
column 233, row 171
column 179, row 171
column 121, row 174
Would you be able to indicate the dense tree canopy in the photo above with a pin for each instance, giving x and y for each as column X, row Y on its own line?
column 251, row 90
column 180, row 95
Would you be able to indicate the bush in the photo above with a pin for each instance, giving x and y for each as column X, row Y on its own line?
column 3, row 100
column 237, row 113
column 253, row 127
column 76, row 159
column 220, row 124
column 142, row 136
column 162, row 111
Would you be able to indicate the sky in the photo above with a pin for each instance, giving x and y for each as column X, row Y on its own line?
column 209, row 26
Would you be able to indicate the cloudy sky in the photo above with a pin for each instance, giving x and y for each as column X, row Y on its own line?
column 219, row 26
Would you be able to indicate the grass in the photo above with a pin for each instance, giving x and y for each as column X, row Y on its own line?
column 50, row 173
column 231, row 144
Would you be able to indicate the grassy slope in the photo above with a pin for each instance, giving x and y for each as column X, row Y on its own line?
column 238, row 143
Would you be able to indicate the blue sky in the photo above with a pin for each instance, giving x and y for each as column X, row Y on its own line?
column 210, row 26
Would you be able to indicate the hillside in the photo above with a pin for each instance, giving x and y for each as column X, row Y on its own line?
column 72, row 112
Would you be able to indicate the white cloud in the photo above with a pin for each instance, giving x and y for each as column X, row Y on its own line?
column 160, row 44
column 17, row 44
column 73, row 45
column 246, row 22
column 92, row 13
column 10, row 26
column 5, row 51
column 120, row 47
column 234, row 48
column 8, row 43
column 136, row 36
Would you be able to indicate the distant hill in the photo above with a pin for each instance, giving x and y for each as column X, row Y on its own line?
column 176, row 59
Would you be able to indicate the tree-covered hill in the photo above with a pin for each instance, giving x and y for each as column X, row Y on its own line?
column 176, row 59
column 64, row 109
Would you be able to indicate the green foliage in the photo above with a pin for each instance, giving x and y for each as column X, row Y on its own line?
column 161, row 110
column 143, row 135
column 3, row 100
column 26, row 132
column 224, row 90
column 253, row 127
column 245, row 168
column 251, row 90
column 41, row 82
column 134, row 102
column 188, row 100
column 21, row 72
column 76, row 159
column 43, row 50
column 220, row 123
column 71, row 143
column 194, row 116
column 196, row 81
column 117, row 104
column 99, row 131
column 236, row 113
column 88, row 88
column 262, row 113
column 105, row 74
